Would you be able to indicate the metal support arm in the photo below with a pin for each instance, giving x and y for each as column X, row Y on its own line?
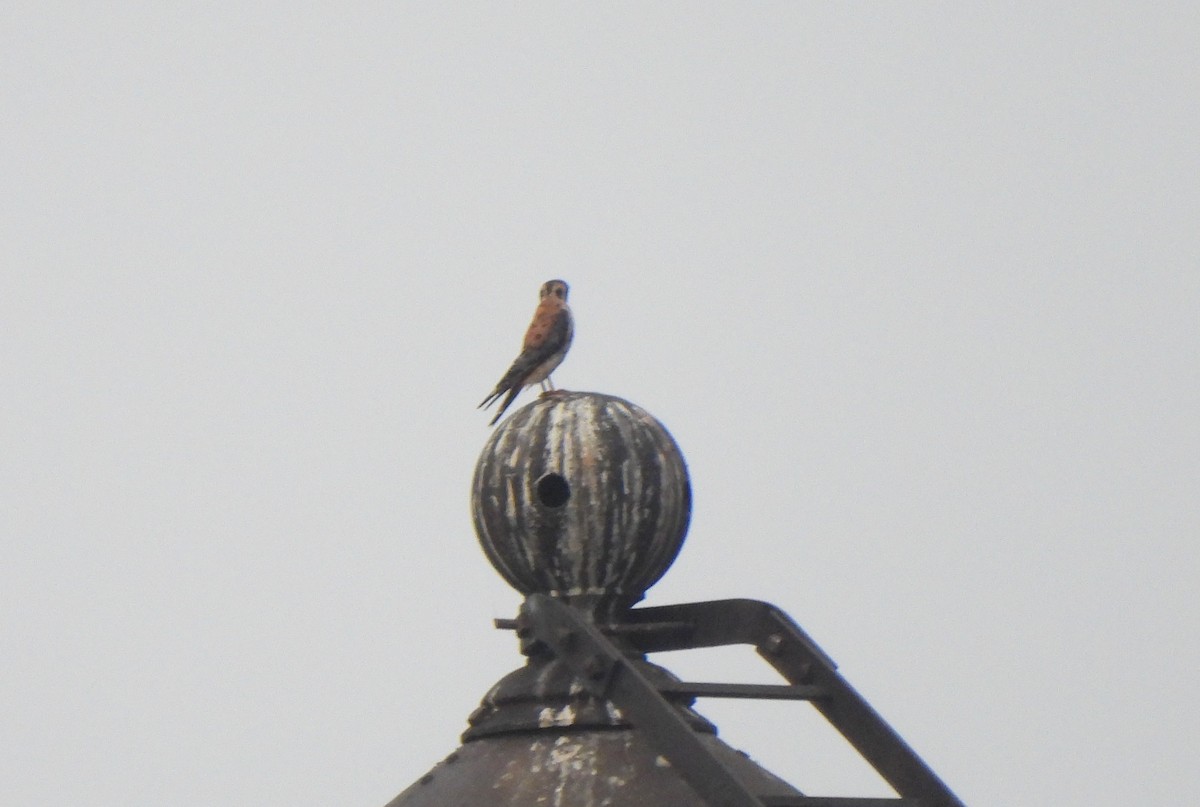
column 550, row 625
column 790, row 650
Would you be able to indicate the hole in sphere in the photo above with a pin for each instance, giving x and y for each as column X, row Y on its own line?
column 553, row 490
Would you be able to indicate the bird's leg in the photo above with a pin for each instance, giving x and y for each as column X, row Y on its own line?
column 553, row 389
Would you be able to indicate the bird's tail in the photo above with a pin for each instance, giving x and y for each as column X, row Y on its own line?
column 512, row 394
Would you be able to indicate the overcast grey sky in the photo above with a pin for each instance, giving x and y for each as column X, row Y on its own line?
column 914, row 286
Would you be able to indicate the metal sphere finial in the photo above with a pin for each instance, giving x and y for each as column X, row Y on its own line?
column 581, row 496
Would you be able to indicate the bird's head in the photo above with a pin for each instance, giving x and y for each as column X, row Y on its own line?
column 554, row 288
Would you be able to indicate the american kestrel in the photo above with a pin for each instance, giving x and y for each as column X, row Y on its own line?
column 546, row 343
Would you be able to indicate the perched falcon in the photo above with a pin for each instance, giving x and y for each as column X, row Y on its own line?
column 546, row 343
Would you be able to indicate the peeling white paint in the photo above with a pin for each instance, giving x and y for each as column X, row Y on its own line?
column 576, row 765
column 549, row 716
column 576, row 769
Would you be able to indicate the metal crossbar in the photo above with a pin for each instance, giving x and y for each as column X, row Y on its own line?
column 767, row 692
column 825, row 801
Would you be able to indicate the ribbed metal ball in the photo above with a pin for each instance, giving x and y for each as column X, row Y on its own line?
column 582, row 496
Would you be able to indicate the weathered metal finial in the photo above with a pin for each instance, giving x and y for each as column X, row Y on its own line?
column 581, row 496
column 581, row 502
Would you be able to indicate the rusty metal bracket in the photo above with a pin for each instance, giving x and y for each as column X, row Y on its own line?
column 549, row 625
column 790, row 650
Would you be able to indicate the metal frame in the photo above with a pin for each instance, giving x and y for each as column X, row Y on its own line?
column 571, row 635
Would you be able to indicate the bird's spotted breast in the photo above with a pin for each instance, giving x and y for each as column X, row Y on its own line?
column 540, row 328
